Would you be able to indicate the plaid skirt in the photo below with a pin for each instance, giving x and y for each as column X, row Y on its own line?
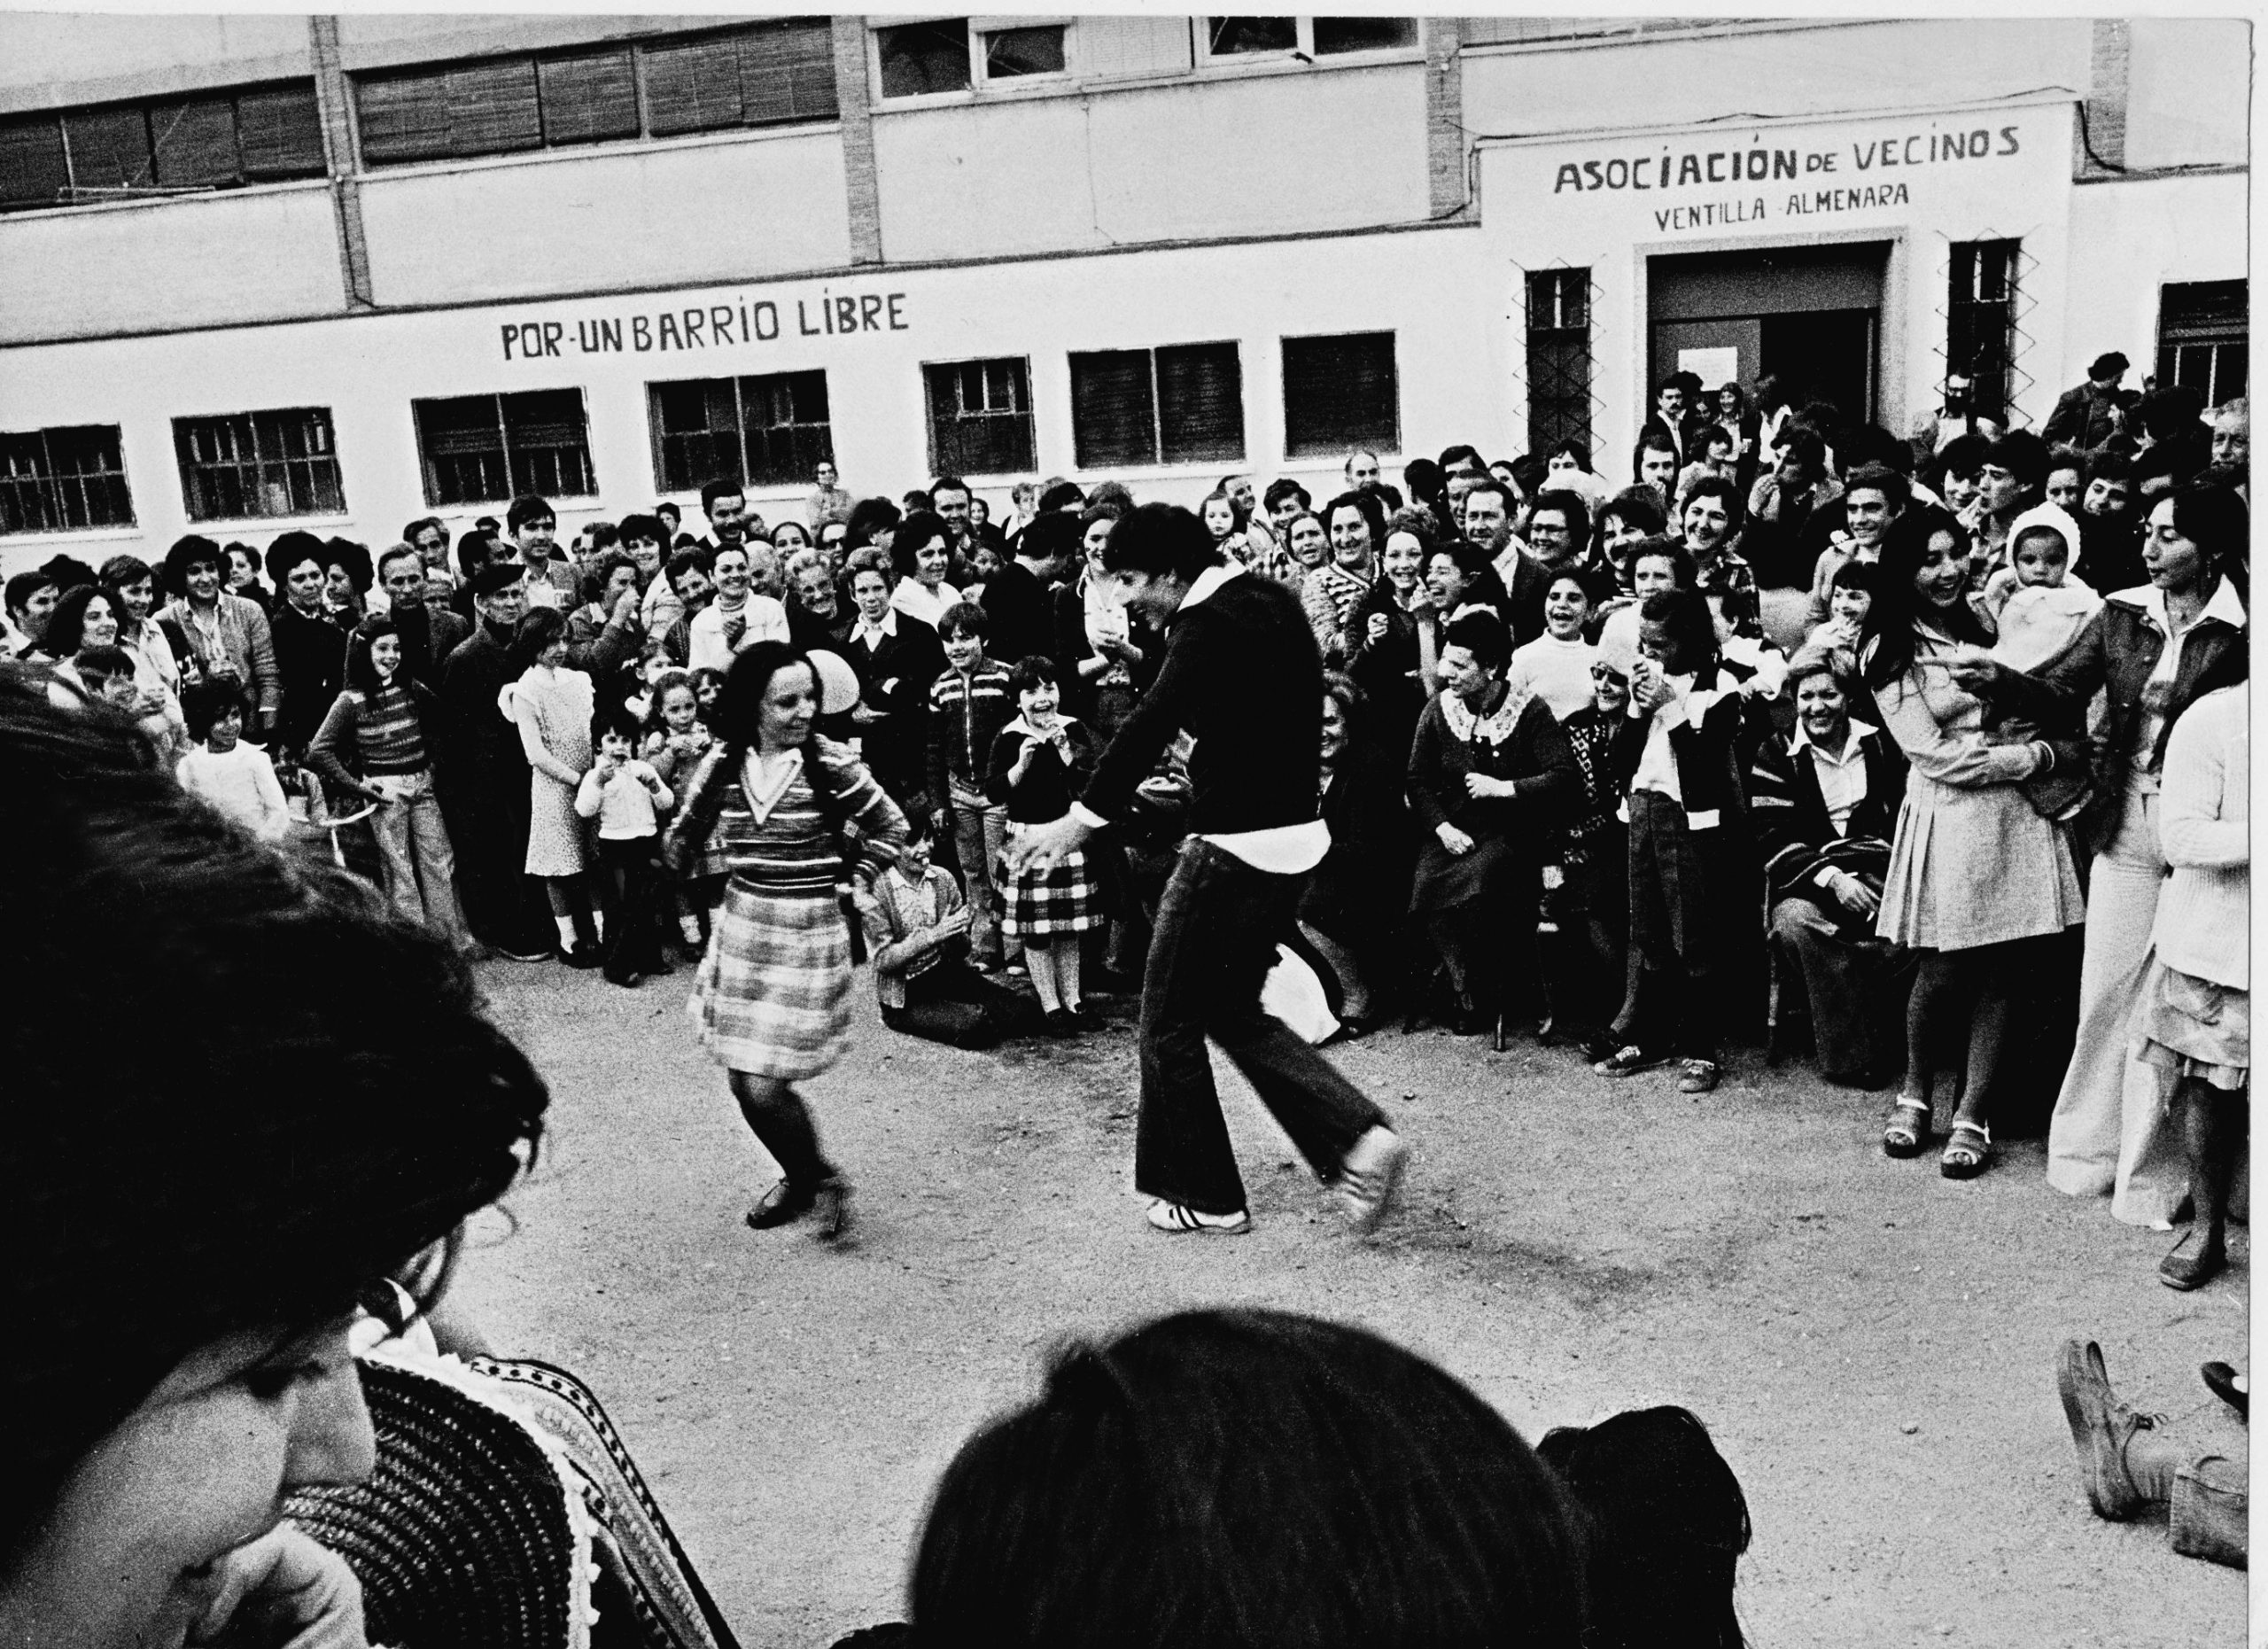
column 772, row 995
column 1042, row 904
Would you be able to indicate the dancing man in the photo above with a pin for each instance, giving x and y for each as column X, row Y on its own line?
column 1242, row 677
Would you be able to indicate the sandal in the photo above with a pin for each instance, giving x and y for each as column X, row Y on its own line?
column 1968, row 1147
column 1908, row 1130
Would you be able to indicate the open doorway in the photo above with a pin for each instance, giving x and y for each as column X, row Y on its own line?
column 1810, row 315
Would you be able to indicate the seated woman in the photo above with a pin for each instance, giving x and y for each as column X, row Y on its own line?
column 1491, row 783
column 187, row 1239
column 1824, row 801
column 1250, row 1477
column 1351, row 908
column 917, row 924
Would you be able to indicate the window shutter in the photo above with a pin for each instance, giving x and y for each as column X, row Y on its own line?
column 404, row 117
column 1112, row 410
column 492, row 108
column 280, row 132
column 919, row 58
column 544, row 418
column 693, row 86
column 195, row 142
column 787, row 72
column 1339, row 391
column 32, row 169
column 460, row 426
column 109, row 148
column 589, row 95
column 1200, row 403
column 1334, row 35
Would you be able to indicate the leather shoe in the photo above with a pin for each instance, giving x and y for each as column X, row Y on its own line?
column 2221, row 1379
column 2101, row 1427
column 2192, row 1261
column 785, row 1203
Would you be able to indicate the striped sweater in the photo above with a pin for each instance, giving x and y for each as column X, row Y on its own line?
column 789, row 852
column 366, row 735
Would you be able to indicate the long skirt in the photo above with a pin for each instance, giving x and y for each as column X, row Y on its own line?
column 772, row 995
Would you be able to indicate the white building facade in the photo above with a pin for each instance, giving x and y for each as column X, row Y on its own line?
column 263, row 273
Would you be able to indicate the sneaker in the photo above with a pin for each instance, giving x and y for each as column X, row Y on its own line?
column 1698, row 1076
column 1179, row 1219
column 2101, row 1427
column 1367, row 1179
column 1629, row 1060
column 524, row 956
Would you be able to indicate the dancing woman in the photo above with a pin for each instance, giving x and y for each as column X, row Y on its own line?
column 772, row 995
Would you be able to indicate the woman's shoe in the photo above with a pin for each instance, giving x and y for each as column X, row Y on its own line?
column 1059, row 1023
column 2230, row 1387
column 2192, row 1261
column 831, row 1208
column 782, row 1205
column 1969, row 1150
column 583, row 956
column 1907, row 1131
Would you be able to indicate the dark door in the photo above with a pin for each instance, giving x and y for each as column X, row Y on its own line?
column 1824, row 354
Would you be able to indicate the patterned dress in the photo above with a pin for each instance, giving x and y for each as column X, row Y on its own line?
column 772, row 995
column 557, row 703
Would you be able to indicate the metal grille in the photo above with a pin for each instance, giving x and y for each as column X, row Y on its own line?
column 490, row 448
column 1981, row 321
column 980, row 417
column 2204, row 339
column 768, row 431
column 62, row 480
column 258, row 465
column 1559, row 404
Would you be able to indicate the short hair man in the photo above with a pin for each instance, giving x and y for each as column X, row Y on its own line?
column 2090, row 415
column 725, row 502
column 431, row 540
column 534, row 527
column 31, row 602
column 949, row 496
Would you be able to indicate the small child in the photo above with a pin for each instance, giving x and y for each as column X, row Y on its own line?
column 969, row 703
column 1556, row 665
column 625, row 796
column 1040, row 762
column 236, row 777
column 676, row 739
column 917, row 936
column 708, row 684
column 1851, row 596
column 2037, row 603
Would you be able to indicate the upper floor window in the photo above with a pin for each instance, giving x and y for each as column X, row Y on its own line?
column 765, row 74
column 1340, row 391
column 170, row 145
column 1182, row 404
column 2203, row 340
column 1981, row 319
column 979, row 417
column 769, row 431
column 951, row 54
column 481, row 449
column 1306, row 36
column 65, row 480
column 255, row 465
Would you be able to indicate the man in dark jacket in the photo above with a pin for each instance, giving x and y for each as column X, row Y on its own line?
column 1241, row 677
column 1018, row 599
column 897, row 657
column 429, row 632
column 485, row 776
column 2090, row 415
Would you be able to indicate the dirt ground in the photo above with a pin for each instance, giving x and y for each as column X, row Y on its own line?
column 1871, row 1345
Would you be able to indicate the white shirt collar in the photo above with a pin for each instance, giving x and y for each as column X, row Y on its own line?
column 1858, row 730
column 1208, row 582
column 1021, row 726
column 2226, row 605
column 887, row 627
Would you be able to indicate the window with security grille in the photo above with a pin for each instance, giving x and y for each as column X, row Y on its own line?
column 768, row 431
column 1559, row 358
column 62, row 480
column 259, row 465
column 1340, row 391
column 1180, row 404
column 919, row 59
column 480, row 449
column 1981, row 321
column 2202, row 339
column 979, row 417
column 170, row 145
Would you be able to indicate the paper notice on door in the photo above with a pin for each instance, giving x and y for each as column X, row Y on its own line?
column 1715, row 368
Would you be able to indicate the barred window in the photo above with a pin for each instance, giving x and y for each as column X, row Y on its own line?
column 2202, row 339
column 1559, row 358
column 1981, row 321
column 1340, row 391
column 1308, row 36
column 1181, row 404
column 252, row 465
column 479, row 449
column 62, row 480
column 979, row 417
column 168, row 146
column 768, row 430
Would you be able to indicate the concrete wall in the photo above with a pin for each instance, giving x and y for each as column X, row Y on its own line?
column 2130, row 239
column 55, row 59
column 2188, row 91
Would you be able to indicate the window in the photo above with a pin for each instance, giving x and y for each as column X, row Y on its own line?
column 1515, row 30
column 69, row 481
column 771, row 431
column 1339, row 393
column 256, row 465
column 215, row 140
column 1981, row 319
column 1559, row 358
column 2203, row 340
column 1012, row 53
column 1307, row 36
column 1183, row 404
column 480, row 449
column 762, row 74
column 919, row 58
column 980, row 417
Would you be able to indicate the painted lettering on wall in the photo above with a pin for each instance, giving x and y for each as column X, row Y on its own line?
column 741, row 323
column 1648, row 170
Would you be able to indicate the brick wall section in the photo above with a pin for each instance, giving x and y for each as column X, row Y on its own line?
column 1445, row 146
column 2105, row 105
column 332, row 94
column 861, row 188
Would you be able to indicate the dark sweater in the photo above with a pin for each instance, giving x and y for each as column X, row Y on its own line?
column 1044, row 794
column 311, row 665
column 1022, row 616
column 1242, row 677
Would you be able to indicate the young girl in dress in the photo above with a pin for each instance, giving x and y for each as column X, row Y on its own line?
column 1555, row 668
column 1040, row 762
column 551, row 705
column 676, row 739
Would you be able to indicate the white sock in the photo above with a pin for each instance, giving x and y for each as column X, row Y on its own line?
column 598, row 924
column 566, row 932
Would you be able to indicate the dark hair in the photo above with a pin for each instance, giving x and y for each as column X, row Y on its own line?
column 2106, row 465
column 409, row 533
column 2022, row 455
column 205, row 703
column 1489, row 484
column 949, row 483
column 527, row 508
column 1282, row 489
column 916, row 501
column 1963, row 456
column 400, row 552
column 1031, row 671
column 1109, row 492
column 1651, row 440
column 1158, row 540
column 2110, row 363
column 1423, row 478
column 351, row 559
column 648, row 527
column 1452, row 457
column 2215, row 518
column 1663, row 548
column 67, row 571
column 696, row 557
column 1571, row 508
column 1686, row 619
column 602, row 571
column 916, row 533
column 361, row 674
column 1482, row 634
column 869, row 517
column 1857, row 575
column 288, row 551
column 1716, row 435
column 1061, row 495
column 1634, row 506
column 537, row 629
column 121, row 571
column 1364, row 504
column 98, row 665
column 66, row 624
column 665, row 507
column 1248, row 1477
column 1897, row 491
column 1057, row 534
column 740, row 709
column 24, row 586
column 187, row 551
column 665, row 684
column 1805, row 446
column 1886, row 637
column 1739, row 395
column 1473, row 562
column 1716, row 487
column 721, row 487
column 199, row 1194
column 1578, row 450
column 475, row 550
column 1237, row 517
column 615, row 716
column 1870, row 443
column 1668, row 1524
column 963, row 616
column 1088, row 517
